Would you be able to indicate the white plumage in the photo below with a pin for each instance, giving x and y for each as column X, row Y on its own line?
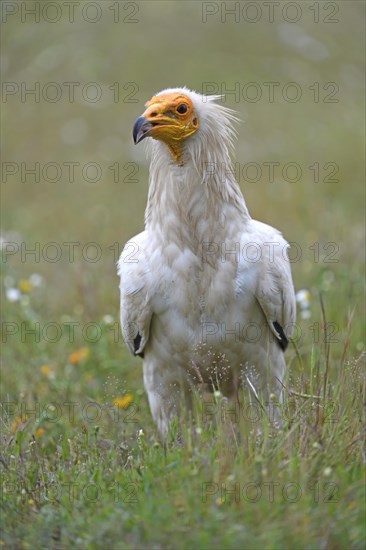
column 204, row 288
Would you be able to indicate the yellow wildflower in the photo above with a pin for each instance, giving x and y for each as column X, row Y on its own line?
column 123, row 401
column 24, row 286
column 38, row 432
column 45, row 369
column 78, row 355
column 17, row 422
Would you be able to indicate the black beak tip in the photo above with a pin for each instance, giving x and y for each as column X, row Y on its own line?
column 140, row 129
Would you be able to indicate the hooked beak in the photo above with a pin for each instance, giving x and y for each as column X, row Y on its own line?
column 141, row 129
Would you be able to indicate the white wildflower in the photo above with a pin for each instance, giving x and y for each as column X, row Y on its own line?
column 305, row 314
column 108, row 319
column 36, row 279
column 303, row 298
column 13, row 294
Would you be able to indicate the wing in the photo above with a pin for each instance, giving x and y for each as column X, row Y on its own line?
column 135, row 294
column 275, row 290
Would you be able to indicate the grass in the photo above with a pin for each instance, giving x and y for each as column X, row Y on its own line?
column 81, row 464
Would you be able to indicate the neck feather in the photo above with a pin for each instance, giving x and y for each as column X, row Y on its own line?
column 196, row 201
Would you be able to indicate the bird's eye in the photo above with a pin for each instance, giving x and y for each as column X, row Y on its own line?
column 182, row 109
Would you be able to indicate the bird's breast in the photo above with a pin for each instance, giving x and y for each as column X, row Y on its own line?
column 196, row 299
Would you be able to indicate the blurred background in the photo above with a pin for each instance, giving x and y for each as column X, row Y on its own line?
column 76, row 76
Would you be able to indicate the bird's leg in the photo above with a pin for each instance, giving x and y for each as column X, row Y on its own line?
column 272, row 391
column 168, row 399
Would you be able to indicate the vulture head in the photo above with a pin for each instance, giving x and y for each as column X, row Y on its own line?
column 186, row 122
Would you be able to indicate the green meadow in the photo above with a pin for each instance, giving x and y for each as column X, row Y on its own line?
column 81, row 463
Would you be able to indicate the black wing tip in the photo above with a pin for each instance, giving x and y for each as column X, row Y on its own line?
column 136, row 345
column 282, row 341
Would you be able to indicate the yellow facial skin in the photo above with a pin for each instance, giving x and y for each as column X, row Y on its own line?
column 169, row 118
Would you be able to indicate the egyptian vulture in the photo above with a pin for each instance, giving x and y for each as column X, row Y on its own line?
column 206, row 291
